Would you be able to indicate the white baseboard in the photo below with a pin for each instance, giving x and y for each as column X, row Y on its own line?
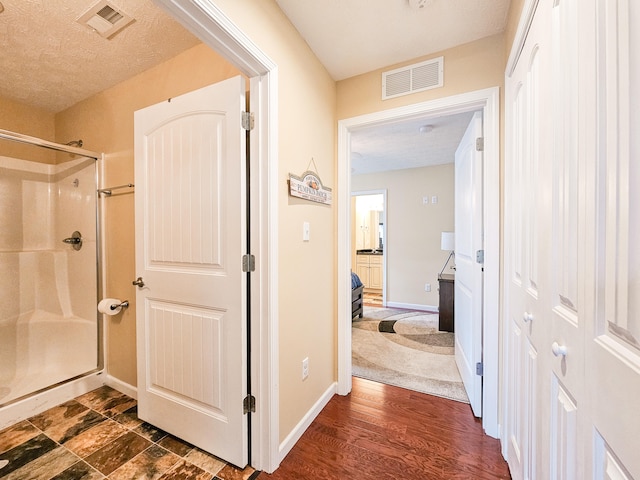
column 121, row 386
column 296, row 433
column 413, row 306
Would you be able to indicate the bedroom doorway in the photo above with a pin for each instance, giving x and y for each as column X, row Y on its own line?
column 399, row 341
column 486, row 101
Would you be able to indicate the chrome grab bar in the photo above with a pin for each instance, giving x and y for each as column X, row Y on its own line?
column 108, row 191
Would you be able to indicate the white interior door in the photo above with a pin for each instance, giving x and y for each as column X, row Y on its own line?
column 190, row 239
column 468, row 280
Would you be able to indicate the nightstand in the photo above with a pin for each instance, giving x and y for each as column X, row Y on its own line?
column 446, row 284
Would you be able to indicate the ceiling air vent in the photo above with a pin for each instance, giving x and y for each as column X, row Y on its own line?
column 413, row 78
column 105, row 19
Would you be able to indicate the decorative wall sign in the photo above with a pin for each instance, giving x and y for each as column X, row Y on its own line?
column 309, row 186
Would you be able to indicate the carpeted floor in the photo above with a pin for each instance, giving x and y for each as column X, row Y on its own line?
column 404, row 348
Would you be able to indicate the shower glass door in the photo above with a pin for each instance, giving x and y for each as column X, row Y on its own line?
column 48, row 274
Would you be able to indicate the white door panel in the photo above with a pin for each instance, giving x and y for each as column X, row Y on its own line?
column 190, row 238
column 572, row 229
column 527, row 225
column 468, row 280
column 613, row 343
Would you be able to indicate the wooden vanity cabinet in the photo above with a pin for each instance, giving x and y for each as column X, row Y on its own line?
column 369, row 269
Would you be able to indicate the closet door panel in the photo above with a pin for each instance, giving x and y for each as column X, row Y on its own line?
column 613, row 344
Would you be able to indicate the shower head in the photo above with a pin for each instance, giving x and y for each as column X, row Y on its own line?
column 75, row 143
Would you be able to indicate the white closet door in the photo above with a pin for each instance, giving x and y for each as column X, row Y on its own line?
column 527, row 250
column 612, row 349
column 572, row 229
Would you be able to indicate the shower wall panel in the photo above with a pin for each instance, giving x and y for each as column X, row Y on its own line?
column 48, row 290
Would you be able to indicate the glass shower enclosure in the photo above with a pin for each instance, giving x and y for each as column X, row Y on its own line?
column 49, row 325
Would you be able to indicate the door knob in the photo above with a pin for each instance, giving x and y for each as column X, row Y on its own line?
column 558, row 350
column 527, row 317
column 138, row 282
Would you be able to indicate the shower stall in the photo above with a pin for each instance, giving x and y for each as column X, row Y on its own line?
column 50, row 329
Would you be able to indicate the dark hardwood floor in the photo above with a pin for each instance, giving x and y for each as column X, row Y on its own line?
column 385, row 432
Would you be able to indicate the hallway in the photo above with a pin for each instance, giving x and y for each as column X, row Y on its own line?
column 376, row 432
column 385, row 432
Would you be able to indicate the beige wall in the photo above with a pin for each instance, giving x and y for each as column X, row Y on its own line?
column 413, row 229
column 105, row 123
column 469, row 67
column 36, row 122
column 306, row 126
column 307, row 270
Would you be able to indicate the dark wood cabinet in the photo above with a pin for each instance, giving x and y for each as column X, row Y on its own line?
column 445, row 309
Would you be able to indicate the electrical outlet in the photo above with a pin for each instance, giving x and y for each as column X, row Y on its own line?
column 427, row 287
column 305, row 368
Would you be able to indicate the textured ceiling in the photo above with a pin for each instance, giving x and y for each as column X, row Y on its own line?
column 401, row 145
column 51, row 61
column 351, row 37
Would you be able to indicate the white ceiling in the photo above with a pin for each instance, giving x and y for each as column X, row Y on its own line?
column 351, row 37
column 51, row 61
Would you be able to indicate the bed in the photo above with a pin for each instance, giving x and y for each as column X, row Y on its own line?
column 356, row 296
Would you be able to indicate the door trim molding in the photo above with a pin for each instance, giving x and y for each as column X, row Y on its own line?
column 526, row 19
column 487, row 100
column 216, row 30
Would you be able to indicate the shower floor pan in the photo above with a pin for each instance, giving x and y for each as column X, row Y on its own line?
column 43, row 349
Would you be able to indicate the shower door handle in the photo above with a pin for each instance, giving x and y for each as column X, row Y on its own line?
column 138, row 282
column 75, row 240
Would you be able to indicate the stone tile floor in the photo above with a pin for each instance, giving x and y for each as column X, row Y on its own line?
column 99, row 436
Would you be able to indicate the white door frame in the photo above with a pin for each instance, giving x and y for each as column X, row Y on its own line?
column 487, row 100
column 215, row 29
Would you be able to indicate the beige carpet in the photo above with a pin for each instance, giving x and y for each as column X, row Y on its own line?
column 404, row 348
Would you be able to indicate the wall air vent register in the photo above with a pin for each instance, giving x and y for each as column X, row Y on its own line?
column 413, row 78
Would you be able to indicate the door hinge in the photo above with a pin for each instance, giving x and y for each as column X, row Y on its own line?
column 480, row 144
column 248, row 263
column 249, row 404
column 248, row 120
column 480, row 369
column 480, row 256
